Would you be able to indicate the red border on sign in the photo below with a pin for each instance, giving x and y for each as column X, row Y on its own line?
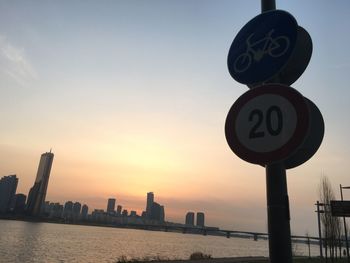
column 298, row 137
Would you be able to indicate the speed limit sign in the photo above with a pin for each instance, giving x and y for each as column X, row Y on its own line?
column 267, row 124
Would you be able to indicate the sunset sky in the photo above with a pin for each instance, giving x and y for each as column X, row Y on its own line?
column 132, row 97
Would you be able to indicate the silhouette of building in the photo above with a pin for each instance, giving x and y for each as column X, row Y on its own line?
column 133, row 213
column 111, row 205
column 8, row 187
column 125, row 212
column 149, row 205
column 84, row 212
column 157, row 212
column 200, row 219
column 189, row 219
column 57, row 210
column 76, row 210
column 68, row 209
column 119, row 210
column 19, row 203
column 37, row 193
column 162, row 214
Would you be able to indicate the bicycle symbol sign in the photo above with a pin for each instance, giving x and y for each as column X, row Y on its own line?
column 256, row 51
column 262, row 47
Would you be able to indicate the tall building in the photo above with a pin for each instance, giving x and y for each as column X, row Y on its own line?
column 76, row 209
column 119, row 210
column 200, row 219
column 150, row 201
column 189, row 219
column 37, row 193
column 111, row 205
column 8, row 187
column 133, row 213
column 162, row 214
column 20, row 203
column 156, row 211
column 84, row 212
column 68, row 209
column 125, row 212
column 57, row 210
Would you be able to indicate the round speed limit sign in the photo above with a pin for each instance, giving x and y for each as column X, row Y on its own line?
column 267, row 124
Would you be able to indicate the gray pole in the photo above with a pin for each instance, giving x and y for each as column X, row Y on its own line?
column 346, row 232
column 278, row 217
column 280, row 245
column 319, row 228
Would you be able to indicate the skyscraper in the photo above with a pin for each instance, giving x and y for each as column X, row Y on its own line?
column 20, row 203
column 84, row 212
column 200, row 219
column 37, row 193
column 76, row 209
column 189, row 219
column 155, row 211
column 68, row 209
column 162, row 214
column 8, row 187
column 150, row 200
column 111, row 205
column 119, row 210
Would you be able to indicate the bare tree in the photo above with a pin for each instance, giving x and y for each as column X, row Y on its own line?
column 331, row 225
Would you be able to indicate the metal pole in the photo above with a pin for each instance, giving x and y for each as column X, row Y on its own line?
column 278, row 216
column 267, row 5
column 280, row 245
column 319, row 228
column 345, row 230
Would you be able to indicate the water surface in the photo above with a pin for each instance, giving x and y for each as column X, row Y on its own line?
column 45, row 242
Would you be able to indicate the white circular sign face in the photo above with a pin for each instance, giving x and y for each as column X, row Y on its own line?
column 267, row 124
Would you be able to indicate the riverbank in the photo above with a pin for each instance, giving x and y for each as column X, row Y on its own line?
column 250, row 260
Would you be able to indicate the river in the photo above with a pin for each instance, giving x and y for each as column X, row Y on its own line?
column 24, row 242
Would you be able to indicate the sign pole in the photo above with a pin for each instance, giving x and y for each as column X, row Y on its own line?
column 280, row 246
column 278, row 216
column 267, row 5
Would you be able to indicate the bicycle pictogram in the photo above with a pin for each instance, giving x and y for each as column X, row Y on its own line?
column 274, row 47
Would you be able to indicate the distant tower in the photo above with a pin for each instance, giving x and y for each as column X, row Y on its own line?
column 162, row 214
column 150, row 201
column 84, row 212
column 189, row 219
column 119, row 210
column 68, row 209
column 200, row 219
column 20, row 203
column 155, row 211
column 37, row 193
column 76, row 209
column 111, row 205
column 8, row 187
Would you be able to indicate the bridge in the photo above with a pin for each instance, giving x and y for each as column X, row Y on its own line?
column 185, row 229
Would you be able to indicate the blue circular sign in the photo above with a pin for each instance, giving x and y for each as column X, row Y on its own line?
column 262, row 47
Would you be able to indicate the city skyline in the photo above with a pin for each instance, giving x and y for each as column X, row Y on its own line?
column 133, row 98
column 17, row 206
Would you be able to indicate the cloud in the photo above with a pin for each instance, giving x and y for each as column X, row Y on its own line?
column 13, row 63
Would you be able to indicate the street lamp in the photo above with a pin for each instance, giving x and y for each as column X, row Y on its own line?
column 346, row 232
